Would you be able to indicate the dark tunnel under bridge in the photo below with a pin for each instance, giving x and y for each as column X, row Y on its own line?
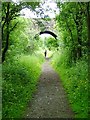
column 47, row 32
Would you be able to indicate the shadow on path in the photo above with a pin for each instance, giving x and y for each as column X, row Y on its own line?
column 50, row 99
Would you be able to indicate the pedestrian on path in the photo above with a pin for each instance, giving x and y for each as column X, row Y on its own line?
column 45, row 53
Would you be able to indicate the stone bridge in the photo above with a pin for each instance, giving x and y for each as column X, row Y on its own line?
column 42, row 26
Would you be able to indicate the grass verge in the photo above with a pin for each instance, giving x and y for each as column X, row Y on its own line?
column 75, row 82
column 20, row 78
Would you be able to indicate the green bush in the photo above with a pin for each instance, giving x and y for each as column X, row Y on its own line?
column 20, row 78
column 75, row 81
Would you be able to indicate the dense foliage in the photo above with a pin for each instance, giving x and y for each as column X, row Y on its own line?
column 11, row 11
column 21, row 70
column 72, row 59
column 20, row 78
column 72, row 22
column 21, row 64
column 75, row 82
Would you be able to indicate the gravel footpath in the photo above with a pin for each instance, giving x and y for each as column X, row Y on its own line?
column 50, row 99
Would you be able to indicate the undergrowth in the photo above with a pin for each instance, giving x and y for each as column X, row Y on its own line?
column 20, row 77
column 75, row 82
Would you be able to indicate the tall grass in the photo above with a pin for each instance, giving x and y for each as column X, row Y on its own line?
column 75, row 81
column 20, row 78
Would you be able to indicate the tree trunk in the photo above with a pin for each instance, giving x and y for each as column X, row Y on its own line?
column 79, row 34
column 72, row 40
column 88, row 22
column 7, row 33
column 6, row 47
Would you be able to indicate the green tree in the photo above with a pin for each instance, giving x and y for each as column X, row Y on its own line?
column 52, row 43
column 10, row 11
column 73, row 25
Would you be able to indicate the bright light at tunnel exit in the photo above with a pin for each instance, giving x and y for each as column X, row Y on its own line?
column 42, row 49
column 45, row 36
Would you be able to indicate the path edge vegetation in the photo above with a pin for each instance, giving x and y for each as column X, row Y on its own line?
column 20, row 82
column 75, row 82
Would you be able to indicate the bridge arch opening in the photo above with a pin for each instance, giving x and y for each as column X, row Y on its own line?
column 44, row 35
column 48, row 32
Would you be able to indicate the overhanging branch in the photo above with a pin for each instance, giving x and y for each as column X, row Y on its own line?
column 13, row 27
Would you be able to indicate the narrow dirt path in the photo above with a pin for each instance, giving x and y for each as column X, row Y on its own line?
column 50, row 99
